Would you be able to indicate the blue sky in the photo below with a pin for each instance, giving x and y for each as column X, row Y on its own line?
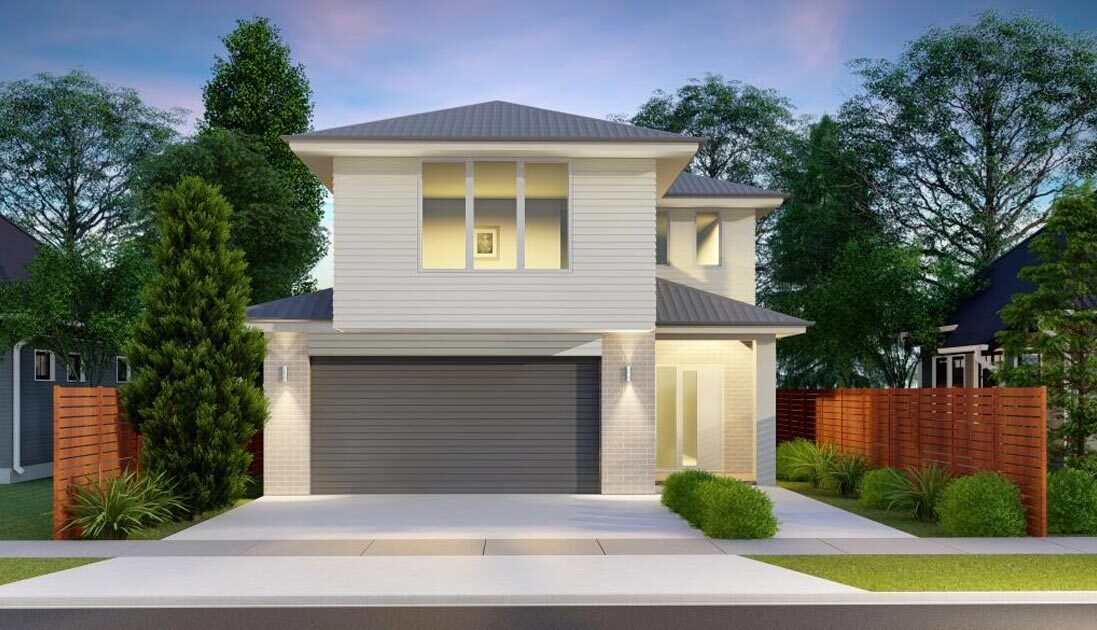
column 369, row 60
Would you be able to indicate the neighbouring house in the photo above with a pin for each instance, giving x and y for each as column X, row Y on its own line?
column 27, row 377
column 524, row 301
column 969, row 354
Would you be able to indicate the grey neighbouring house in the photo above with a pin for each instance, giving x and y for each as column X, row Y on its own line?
column 27, row 377
column 524, row 301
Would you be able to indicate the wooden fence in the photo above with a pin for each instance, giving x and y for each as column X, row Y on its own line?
column 92, row 442
column 1003, row 429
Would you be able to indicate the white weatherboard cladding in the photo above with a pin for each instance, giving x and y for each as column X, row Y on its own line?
column 610, row 285
column 455, row 344
column 734, row 276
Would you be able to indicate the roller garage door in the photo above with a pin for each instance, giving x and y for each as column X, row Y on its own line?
column 485, row 425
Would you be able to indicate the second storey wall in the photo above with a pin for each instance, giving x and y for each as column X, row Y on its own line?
column 734, row 276
column 610, row 285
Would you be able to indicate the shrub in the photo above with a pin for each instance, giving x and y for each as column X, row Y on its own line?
column 1072, row 502
column 787, row 452
column 812, row 462
column 119, row 507
column 844, row 473
column 733, row 509
column 877, row 484
column 919, row 494
column 680, row 493
column 1086, row 463
column 983, row 504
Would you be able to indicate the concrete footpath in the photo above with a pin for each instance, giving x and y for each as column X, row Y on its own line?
column 546, row 547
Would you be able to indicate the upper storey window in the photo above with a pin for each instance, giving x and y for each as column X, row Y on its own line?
column 662, row 228
column 708, row 238
column 495, row 215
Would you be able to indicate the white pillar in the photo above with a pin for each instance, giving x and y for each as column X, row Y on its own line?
column 765, row 411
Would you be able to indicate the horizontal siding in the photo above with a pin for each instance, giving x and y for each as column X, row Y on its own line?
column 464, row 344
column 610, row 286
column 455, row 425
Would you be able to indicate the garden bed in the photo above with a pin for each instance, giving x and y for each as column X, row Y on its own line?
column 902, row 522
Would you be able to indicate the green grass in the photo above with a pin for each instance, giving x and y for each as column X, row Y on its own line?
column 949, row 573
column 27, row 509
column 899, row 521
column 15, row 569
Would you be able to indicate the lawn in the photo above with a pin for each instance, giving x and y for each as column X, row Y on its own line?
column 15, row 569
column 949, row 573
column 27, row 510
column 899, row 521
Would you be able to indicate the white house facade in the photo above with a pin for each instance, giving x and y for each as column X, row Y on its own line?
column 524, row 301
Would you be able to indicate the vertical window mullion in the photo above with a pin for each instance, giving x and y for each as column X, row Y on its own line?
column 520, row 218
column 469, row 217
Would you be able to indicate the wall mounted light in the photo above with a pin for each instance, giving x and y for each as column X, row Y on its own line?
column 628, row 373
column 283, row 373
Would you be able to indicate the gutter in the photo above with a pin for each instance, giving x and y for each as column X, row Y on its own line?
column 16, row 411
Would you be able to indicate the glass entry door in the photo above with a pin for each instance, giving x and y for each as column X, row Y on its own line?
column 689, row 417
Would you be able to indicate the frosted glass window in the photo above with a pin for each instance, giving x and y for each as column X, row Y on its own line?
column 443, row 238
column 546, row 203
column 662, row 226
column 708, row 238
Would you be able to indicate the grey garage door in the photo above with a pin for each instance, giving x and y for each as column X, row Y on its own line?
column 383, row 425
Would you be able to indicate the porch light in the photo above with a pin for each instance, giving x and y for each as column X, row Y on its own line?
column 628, row 373
column 283, row 373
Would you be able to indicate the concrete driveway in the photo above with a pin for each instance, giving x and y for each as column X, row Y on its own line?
column 503, row 516
column 444, row 516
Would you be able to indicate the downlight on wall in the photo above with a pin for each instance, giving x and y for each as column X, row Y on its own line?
column 283, row 373
column 628, row 373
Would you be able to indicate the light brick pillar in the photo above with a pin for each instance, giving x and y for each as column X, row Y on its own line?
column 286, row 436
column 628, row 413
column 765, row 411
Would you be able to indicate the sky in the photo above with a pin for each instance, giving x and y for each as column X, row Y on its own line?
column 368, row 60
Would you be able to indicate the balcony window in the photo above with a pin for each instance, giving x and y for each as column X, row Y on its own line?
column 708, row 239
column 495, row 215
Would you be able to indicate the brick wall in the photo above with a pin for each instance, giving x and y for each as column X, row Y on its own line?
column 628, row 413
column 286, row 441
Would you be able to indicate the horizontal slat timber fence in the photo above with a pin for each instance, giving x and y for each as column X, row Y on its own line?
column 92, row 442
column 1003, row 429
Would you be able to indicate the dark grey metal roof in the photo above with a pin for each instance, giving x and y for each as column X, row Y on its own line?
column 681, row 305
column 17, row 248
column 690, row 185
column 675, row 305
column 316, row 305
column 495, row 120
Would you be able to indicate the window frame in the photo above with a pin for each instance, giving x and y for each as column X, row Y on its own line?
column 949, row 367
column 118, row 358
column 53, row 367
column 470, row 216
column 81, row 377
column 664, row 216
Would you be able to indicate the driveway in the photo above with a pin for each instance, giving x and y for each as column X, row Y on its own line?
column 444, row 516
column 503, row 516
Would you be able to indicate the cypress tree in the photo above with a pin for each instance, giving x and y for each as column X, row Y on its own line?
column 193, row 394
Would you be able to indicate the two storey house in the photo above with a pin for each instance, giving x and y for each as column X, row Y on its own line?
column 524, row 301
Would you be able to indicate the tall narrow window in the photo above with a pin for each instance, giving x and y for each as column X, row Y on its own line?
column 121, row 370
column 940, row 371
column 74, row 371
column 708, row 238
column 43, row 365
column 662, row 227
column 546, row 204
column 495, row 215
column 957, row 371
column 443, row 239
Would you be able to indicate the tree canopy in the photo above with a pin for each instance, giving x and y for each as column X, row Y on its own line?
column 280, row 244
column 984, row 122
column 257, row 89
column 747, row 130
column 68, row 146
column 1058, row 320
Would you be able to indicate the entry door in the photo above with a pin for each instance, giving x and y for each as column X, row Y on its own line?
column 689, row 424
